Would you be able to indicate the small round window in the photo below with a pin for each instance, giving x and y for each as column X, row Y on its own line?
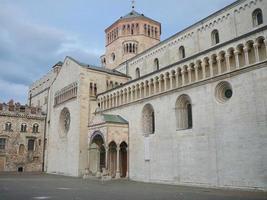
column 223, row 92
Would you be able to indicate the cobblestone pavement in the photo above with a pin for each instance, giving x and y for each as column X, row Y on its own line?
column 42, row 186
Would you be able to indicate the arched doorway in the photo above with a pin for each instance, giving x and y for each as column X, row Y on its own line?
column 97, row 155
column 113, row 158
column 123, row 160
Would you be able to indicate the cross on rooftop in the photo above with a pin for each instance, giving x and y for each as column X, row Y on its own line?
column 133, row 4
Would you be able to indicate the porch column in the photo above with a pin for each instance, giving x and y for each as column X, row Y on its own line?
column 127, row 170
column 118, row 162
column 106, row 158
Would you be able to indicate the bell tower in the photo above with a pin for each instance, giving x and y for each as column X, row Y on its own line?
column 129, row 36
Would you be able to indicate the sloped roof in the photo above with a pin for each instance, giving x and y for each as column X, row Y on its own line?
column 101, row 69
column 132, row 14
column 114, row 119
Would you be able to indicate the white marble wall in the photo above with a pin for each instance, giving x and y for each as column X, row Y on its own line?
column 225, row 148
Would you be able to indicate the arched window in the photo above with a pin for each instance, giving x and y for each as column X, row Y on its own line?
column 156, row 64
column 23, row 128
column 257, row 17
column 21, row 149
column 183, row 110
column 30, row 144
column 113, row 57
column 215, row 38
column 2, row 143
column 148, row 119
column 181, row 52
column 35, row 128
column 137, row 73
column 8, row 126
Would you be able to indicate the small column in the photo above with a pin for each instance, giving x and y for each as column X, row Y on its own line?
column 150, row 87
column 219, row 64
column 203, row 65
column 171, row 81
column 140, row 90
column 126, row 96
column 165, row 82
column 118, row 163
column 177, row 78
column 245, row 49
column 161, row 85
column 196, row 72
column 129, row 94
column 265, row 42
column 189, row 69
column 228, row 65
column 211, row 67
column 132, row 93
column 111, row 101
column 256, row 49
column 115, row 100
column 118, row 99
column 183, row 80
column 236, row 52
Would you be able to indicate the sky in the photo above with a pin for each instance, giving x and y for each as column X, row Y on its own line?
column 35, row 35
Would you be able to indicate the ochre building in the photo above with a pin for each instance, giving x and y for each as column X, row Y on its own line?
column 21, row 138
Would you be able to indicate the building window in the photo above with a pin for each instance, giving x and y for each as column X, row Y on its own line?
column 148, row 119
column 137, row 73
column 223, row 92
column 156, row 64
column 2, row 143
column 21, row 149
column 181, row 52
column 30, row 144
column 215, row 38
column 183, row 110
column 257, row 17
column 8, row 126
column 35, row 128
column 23, row 128
column 113, row 57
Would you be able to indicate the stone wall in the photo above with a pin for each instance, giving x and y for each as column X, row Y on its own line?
column 16, row 154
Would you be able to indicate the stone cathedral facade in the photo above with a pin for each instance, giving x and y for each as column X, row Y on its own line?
column 189, row 110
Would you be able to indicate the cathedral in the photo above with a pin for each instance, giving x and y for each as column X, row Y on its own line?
column 188, row 110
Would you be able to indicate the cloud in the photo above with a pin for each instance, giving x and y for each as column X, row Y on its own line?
column 28, row 50
column 13, row 91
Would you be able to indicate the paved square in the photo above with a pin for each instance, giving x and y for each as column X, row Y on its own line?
column 41, row 186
